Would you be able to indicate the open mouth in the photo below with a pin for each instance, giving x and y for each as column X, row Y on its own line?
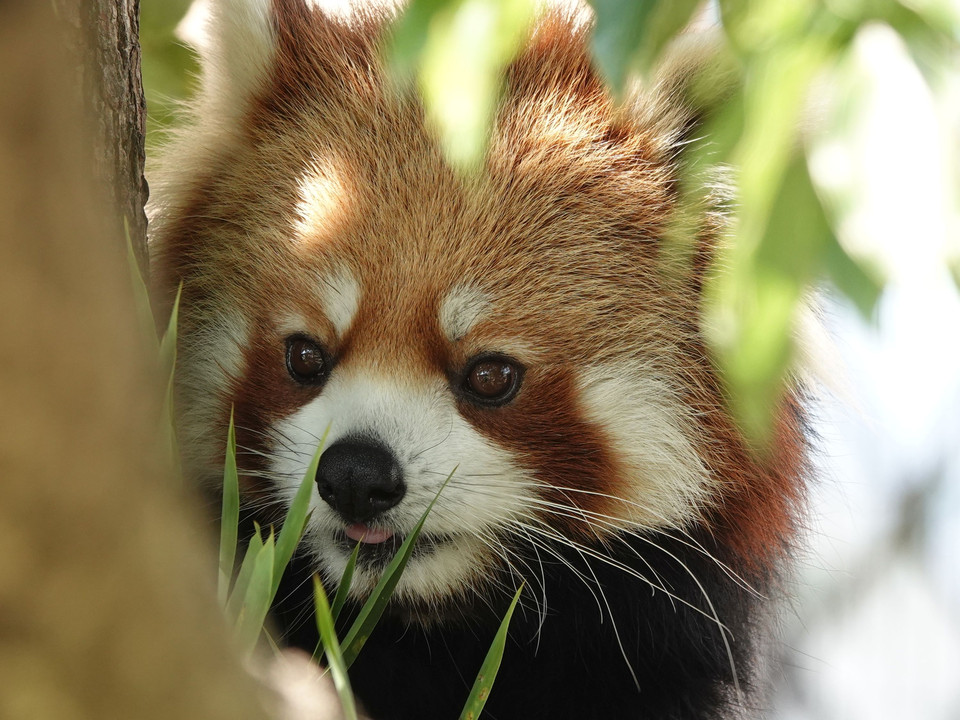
column 378, row 545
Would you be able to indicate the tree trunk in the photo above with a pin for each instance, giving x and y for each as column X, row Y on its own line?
column 107, row 606
column 104, row 39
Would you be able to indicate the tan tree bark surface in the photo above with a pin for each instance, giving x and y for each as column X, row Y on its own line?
column 107, row 606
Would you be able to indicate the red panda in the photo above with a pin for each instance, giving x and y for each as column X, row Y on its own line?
column 528, row 328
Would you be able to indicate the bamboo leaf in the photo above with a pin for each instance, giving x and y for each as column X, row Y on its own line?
column 296, row 519
column 328, row 636
column 491, row 665
column 377, row 602
column 468, row 45
column 168, row 345
column 631, row 34
column 764, row 292
column 410, row 36
column 235, row 600
column 257, row 598
column 619, row 29
column 141, row 296
column 229, row 515
column 168, row 363
column 346, row 580
column 860, row 283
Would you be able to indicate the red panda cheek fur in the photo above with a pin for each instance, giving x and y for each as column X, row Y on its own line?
column 653, row 530
column 570, row 457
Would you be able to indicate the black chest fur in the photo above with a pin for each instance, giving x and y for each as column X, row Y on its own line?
column 638, row 636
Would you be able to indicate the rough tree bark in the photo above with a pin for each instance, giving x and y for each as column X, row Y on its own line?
column 107, row 606
column 103, row 38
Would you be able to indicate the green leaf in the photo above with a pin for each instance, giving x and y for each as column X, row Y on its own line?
column 168, row 365
column 169, row 67
column 631, row 34
column 168, row 345
column 296, row 519
column 246, row 572
column 346, row 580
column 859, row 282
column 377, row 602
column 256, row 600
column 343, row 590
column 491, row 665
column 141, row 296
column 468, row 45
column 328, row 636
column 410, row 36
column 229, row 515
column 619, row 29
column 761, row 296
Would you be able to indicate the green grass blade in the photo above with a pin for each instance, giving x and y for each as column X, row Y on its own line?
column 168, row 345
column 141, row 296
column 256, row 600
column 229, row 515
column 168, row 363
column 377, row 602
column 296, row 518
column 491, row 665
column 328, row 635
column 343, row 589
column 235, row 600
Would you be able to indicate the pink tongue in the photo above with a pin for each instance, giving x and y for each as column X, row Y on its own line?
column 367, row 534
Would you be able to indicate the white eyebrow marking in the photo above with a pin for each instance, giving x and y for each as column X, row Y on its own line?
column 321, row 199
column 340, row 293
column 460, row 310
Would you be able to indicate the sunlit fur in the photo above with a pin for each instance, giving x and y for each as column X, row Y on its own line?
column 307, row 197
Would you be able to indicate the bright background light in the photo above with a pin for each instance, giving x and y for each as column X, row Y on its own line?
column 875, row 630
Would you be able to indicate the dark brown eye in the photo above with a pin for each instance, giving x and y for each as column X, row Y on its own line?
column 307, row 363
column 492, row 380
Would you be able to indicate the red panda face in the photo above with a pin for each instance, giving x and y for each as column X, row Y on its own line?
column 473, row 358
column 524, row 331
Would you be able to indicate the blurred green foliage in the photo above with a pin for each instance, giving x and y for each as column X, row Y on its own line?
column 169, row 67
column 784, row 236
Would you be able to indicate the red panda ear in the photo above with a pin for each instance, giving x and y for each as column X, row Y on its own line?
column 253, row 48
column 556, row 65
column 326, row 48
column 236, row 41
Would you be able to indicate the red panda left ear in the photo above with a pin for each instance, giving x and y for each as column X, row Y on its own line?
column 236, row 42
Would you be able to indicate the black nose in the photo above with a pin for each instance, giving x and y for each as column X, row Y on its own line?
column 359, row 479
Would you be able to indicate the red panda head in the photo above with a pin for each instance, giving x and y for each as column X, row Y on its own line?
column 527, row 329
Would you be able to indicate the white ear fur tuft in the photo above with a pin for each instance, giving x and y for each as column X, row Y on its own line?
column 236, row 43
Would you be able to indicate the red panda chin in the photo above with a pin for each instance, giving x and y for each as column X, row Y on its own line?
column 521, row 347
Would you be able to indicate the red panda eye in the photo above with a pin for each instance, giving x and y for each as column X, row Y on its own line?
column 492, row 381
column 306, row 361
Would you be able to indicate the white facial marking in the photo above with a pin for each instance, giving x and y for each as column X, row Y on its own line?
column 652, row 433
column 291, row 324
column 460, row 310
column 321, row 196
column 210, row 357
column 340, row 296
column 429, row 439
